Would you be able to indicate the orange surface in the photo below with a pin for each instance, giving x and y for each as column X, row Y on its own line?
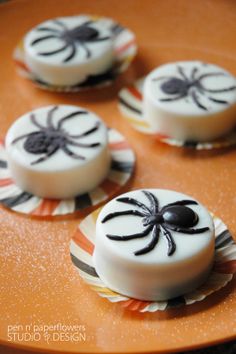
column 39, row 285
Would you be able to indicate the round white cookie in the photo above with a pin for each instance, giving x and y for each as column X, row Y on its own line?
column 58, row 151
column 65, row 51
column 190, row 101
column 154, row 244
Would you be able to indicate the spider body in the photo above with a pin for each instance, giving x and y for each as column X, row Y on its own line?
column 177, row 217
column 175, row 87
column 182, row 86
column 53, row 137
column 173, row 216
column 72, row 39
column 81, row 33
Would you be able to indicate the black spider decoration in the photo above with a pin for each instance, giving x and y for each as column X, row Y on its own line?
column 180, row 87
column 71, row 38
column 53, row 137
column 172, row 217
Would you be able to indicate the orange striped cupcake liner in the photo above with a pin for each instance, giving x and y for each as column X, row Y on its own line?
column 125, row 49
column 130, row 106
column 82, row 247
column 122, row 167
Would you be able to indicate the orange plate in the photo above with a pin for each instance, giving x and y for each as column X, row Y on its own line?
column 39, row 285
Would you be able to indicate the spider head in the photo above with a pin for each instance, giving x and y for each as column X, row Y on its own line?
column 42, row 142
column 82, row 33
column 180, row 216
column 175, row 86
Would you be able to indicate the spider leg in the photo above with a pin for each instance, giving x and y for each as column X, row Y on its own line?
column 86, row 23
column 83, row 145
column 99, row 39
column 71, row 153
column 217, row 100
column 226, row 89
column 88, row 53
column 196, row 100
column 46, row 156
column 203, row 91
column 48, row 29
column 22, row 137
column 170, row 240
column 173, row 98
column 144, row 233
column 54, row 51
column 194, row 73
column 152, row 243
column 61, row 24
column 180, row 202
column 164, row 78
column 135, row 202
column 50, row 117
column 72, row 53
column 69, row 116
column 153, row 201
column 90, row 131
column 186, row 230
column 121, row 213
column 40, row 39
column 203, row 76
column 34, row 121
column 182, row 73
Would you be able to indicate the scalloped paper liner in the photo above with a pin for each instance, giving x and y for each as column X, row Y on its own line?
column 125, row 47
column 130, row 105
column 82, row 246
column 122, row 166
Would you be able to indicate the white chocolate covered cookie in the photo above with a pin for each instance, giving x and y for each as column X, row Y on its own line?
column 154, row 244
column 67, row 50
column 58, row 151
column 190, row 101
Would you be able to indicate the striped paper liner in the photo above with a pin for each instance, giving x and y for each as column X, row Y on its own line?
column 122, row 166
column 82, row 246
column 130, row 105
column 125, row 49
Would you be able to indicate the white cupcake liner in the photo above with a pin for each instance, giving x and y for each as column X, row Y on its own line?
column 82, row 247
column 130, row 105
column 122, row 166
column 125, row 48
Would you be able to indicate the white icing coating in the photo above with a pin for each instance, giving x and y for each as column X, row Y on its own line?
column 154, row 275
column 59, row 175
column 195, row 116
column 91, row 57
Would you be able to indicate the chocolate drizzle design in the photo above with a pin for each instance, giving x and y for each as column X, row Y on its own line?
column 181, row 87
column 172, row 217
column 71, row 38
column 53, row 137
